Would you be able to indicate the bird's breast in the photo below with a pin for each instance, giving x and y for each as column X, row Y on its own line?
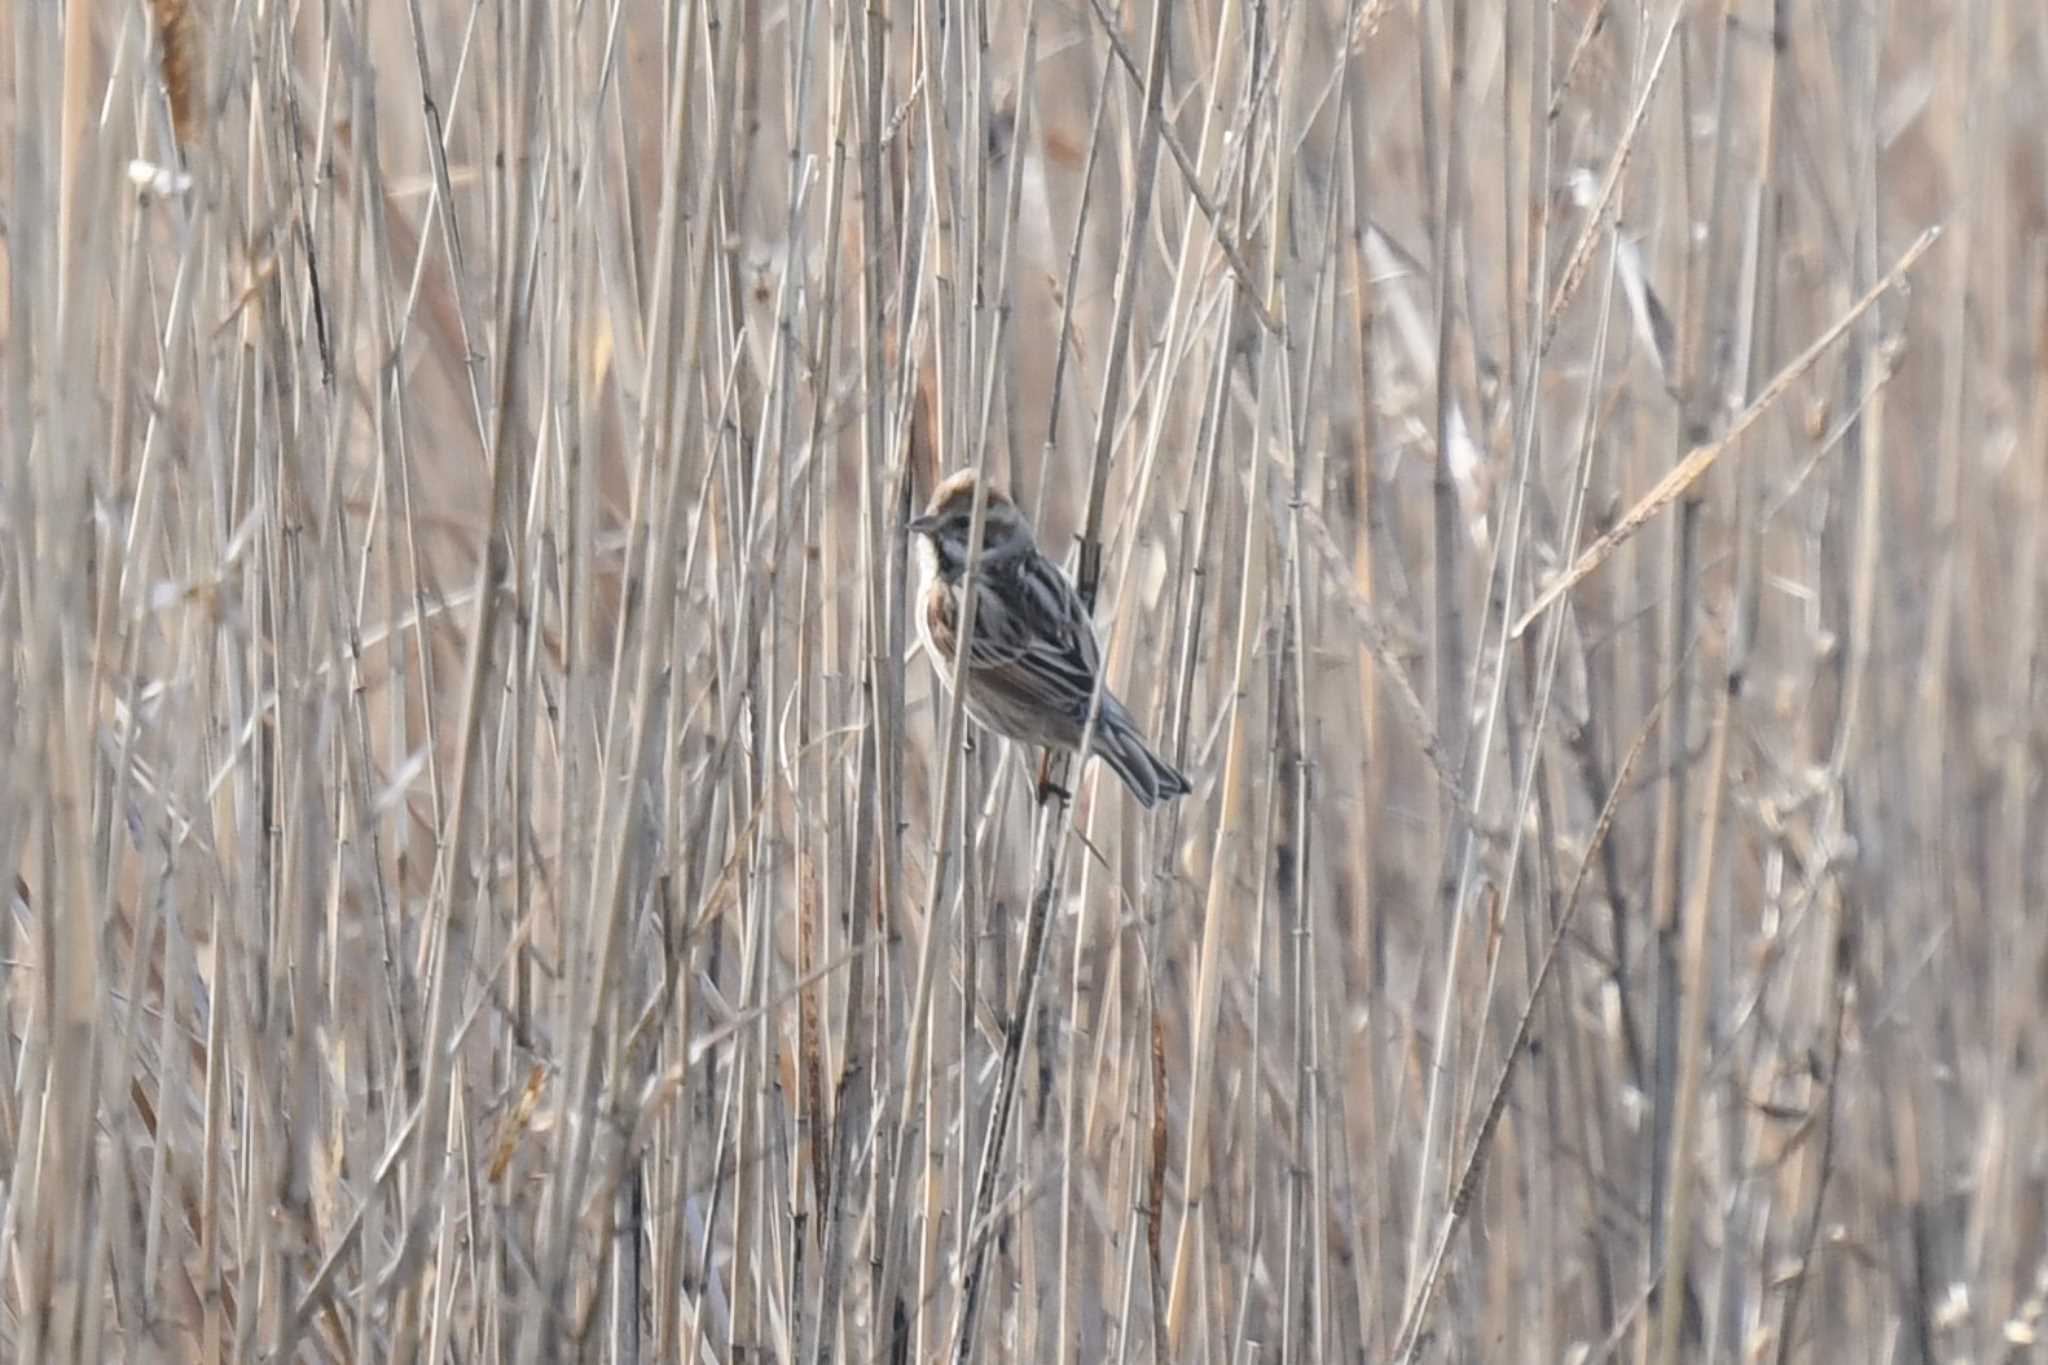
column 941, row 618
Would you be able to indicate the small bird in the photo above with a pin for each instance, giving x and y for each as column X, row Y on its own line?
column 1031, row 670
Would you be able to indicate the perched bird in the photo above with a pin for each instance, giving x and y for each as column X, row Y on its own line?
column 1031, row 669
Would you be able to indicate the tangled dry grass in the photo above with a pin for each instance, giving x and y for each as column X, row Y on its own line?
column 1567, row 479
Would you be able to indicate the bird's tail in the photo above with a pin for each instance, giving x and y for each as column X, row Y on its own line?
column 1151, row 778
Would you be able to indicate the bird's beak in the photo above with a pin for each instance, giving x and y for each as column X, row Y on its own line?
column 923, row 526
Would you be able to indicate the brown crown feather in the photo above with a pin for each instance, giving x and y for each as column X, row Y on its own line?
column 957, row 491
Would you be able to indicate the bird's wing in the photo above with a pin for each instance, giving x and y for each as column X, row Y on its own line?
column 1031, row 630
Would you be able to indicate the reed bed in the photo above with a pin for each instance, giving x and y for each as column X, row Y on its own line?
column 494, row 881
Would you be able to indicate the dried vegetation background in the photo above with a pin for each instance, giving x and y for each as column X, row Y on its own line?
column 491, row 885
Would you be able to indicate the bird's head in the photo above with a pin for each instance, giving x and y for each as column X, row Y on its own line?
column 950, row 515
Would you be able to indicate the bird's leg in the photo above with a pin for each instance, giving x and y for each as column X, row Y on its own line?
column 1046, row 789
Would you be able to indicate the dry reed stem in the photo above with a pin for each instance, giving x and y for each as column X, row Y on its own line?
column 180, row 44
column 1699, row 460
column 491, row 880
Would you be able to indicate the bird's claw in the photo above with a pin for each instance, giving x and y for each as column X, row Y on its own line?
column 1047, row 788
